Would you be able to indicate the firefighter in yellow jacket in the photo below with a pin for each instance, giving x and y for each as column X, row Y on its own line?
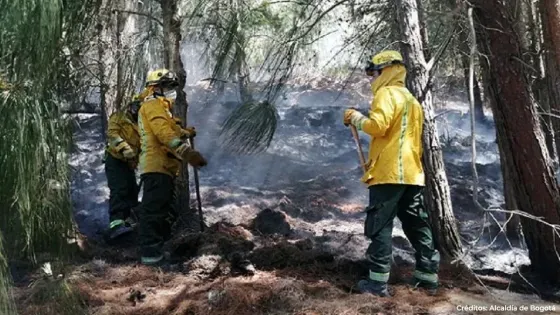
column 120, row 164
column 394, row 176
column 164, row 146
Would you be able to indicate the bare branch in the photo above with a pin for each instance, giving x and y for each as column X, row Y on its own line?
column 472, row 105
column 433, row 62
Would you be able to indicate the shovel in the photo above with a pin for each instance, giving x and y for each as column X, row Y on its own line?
column 359, row 146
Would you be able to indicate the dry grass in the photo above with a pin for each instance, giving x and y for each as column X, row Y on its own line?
column 103, row 289
column 293, row 278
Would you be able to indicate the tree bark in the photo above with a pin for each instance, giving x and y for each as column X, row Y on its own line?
column 422, row 15
column 550, row 17
column 172, row 58
column 551, row 20
column 540, row 88
column 106, row 103
column 241, row 67
column 438, row 198
column 520, row 133
column 121, row 20
column 513, row 227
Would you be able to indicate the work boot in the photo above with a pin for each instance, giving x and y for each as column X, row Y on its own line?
column 153, row 256
column 118, row 228
column 130, row 222
column 429, row 287
column 162, row 263
column 373, row 287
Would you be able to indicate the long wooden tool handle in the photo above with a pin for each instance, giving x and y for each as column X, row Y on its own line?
column 197, row 190
column 359, row 146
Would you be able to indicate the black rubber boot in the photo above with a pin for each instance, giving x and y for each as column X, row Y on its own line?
column 374, row 287
column 117, row 230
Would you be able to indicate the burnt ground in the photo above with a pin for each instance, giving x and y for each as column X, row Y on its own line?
column 285, row 230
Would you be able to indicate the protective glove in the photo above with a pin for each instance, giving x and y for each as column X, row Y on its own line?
column 128, row 153
column 182, row 148
column 126, row 150
column 352, row 116
column 195, row 159
column 188, row 132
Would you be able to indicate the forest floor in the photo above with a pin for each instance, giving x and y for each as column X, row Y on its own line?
column 295, row 213
column 291, row 277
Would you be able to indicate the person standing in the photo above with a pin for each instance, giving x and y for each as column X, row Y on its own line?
column 395, row 175
column 164, row 146
column 121, row 159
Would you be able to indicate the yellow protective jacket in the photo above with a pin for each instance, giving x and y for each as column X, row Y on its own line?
column 122, row 129
column 395, row 124
column 160, row 136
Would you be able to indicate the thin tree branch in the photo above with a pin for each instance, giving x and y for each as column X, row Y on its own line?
column 430, row 66
column 472, row 105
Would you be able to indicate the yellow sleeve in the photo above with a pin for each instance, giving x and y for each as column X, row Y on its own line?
column 381, row 114
column 114, row 130
column 157, row 117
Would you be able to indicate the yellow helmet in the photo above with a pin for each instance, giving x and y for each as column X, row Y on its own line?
column 384, row 59
column 163, row 78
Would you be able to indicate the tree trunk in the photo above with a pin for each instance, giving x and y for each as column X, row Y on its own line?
column 540, row 88
column 121, row 20
column 219, row 84
column 551, row 20
column 550, row 17
column 513, row 227
column 241, row 68
column 172, row 58
column 518, row 126
column 105, row 101
column 123, row 58
column 438, row 198
column 422, row 15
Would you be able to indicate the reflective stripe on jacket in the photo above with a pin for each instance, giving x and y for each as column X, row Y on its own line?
column 121, row 129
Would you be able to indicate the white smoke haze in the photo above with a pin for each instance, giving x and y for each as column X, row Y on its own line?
column 311, row 165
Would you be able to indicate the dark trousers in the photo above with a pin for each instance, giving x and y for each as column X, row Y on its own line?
column 407, row 203
column 156, row 214
column 123, row 188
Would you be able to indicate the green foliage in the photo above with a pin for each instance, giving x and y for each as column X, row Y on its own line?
column 38, row 37
column 7, row 306
column 250, row 128
column 55, row 297
column 35, row 192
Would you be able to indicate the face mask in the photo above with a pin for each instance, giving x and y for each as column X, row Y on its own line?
column 172, row 95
